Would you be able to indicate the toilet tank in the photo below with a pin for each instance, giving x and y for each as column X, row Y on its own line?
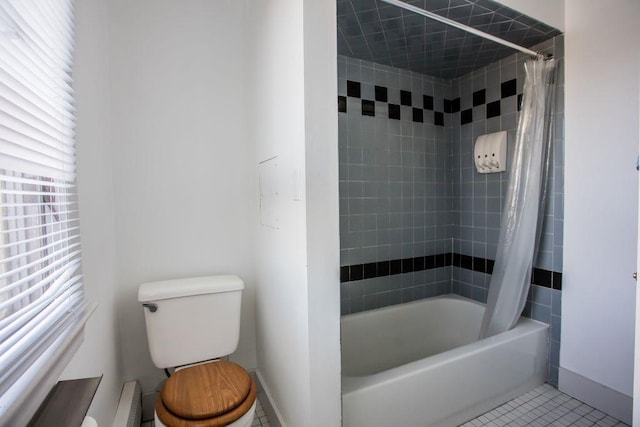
column 191, row 320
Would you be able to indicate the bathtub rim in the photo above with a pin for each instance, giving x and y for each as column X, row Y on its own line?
column 354, row 384
column 394, row 307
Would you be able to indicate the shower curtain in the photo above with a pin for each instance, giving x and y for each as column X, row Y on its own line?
column 524, row 204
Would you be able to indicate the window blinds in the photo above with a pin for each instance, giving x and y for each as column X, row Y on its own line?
column 41, row 293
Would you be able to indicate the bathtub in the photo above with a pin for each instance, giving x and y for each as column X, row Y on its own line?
column 420, row 364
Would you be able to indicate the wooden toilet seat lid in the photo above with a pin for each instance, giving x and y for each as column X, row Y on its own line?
column 172, row 420
column 206, row 391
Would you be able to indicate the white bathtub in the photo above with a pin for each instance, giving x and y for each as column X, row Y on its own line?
column 419, row 364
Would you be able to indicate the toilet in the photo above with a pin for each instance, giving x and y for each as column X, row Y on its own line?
column 192, row 324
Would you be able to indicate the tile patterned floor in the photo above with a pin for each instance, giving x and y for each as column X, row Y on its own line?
column 541, row 407
column 260, row 419
column 544, row 406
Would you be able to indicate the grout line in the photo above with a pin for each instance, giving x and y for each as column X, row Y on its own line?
column 544, row 406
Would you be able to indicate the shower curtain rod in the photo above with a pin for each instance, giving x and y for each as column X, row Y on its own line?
column 462, row 27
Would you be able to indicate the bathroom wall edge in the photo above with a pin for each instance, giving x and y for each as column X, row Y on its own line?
column 606, row 399
column 270, row 409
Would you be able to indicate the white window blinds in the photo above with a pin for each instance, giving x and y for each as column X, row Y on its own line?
column 41, row 295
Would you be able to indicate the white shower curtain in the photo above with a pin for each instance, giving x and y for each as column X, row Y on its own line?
column 524, row 204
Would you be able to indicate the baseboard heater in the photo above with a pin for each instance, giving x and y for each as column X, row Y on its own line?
column 129, row 413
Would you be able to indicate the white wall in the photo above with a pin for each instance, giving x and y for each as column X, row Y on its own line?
column 99, row 354
column 294, row 85
column 550, row 12
column 184, row 176
column 601, row 198
column 282, row 296
column 323, row 240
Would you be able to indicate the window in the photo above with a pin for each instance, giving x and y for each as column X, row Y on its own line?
column 41, row 296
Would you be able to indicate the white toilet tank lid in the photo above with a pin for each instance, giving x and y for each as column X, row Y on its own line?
column 176, row 288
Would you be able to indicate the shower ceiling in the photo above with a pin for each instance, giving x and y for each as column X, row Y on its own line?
column 376, row 31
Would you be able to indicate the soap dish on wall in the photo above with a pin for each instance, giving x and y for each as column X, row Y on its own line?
column 490, row 152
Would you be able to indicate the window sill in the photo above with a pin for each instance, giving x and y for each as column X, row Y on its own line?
column 21, row 401
column 67, row 403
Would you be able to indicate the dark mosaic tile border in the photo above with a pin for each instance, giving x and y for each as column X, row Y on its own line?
column 407, row 98
column 350, row 273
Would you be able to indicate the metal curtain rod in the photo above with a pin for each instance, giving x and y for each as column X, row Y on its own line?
column 462, row 27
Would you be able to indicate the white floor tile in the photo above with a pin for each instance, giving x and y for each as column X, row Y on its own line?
column 541, row 407
column 545, row 406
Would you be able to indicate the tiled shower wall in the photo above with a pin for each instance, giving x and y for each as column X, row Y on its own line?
column 394, row 205
column 417, row 220
column 489, row 102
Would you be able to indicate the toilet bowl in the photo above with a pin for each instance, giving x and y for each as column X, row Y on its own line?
column 213, row 394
